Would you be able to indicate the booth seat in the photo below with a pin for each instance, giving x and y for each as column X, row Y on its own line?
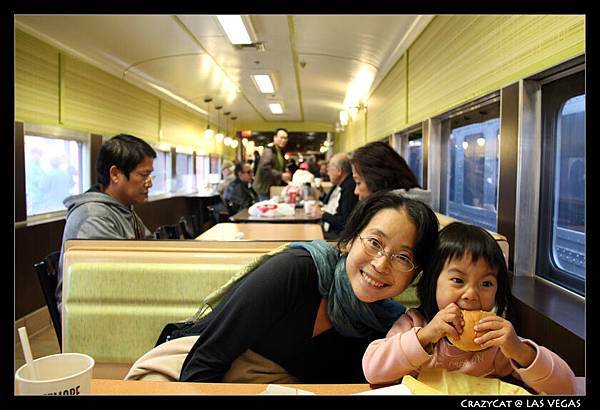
column 119, row 294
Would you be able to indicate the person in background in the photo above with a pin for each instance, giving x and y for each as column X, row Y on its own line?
column 323, row 170
column 271, row 167
column 124, row 177
column 228, row 176
column 377, row 167
column 340, row 200
column 306, row 312
column 292, row 167
column 255, row 161
column 239, row 193
column 467, row 271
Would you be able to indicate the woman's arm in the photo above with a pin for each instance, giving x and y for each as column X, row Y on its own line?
column 255, row 310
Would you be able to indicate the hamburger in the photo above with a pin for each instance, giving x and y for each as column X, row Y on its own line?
column 465, row 341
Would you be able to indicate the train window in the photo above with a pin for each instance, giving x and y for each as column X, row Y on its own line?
column 472, row 165
column 162, row 173
column 413, row 155
column 53, row 171
column 202, row 171
column 184, row 180
column 561, row 245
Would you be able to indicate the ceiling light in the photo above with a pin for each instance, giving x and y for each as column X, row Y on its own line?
column 237, row 28
column 264, row 83
column 344, row 118
column 276, row 108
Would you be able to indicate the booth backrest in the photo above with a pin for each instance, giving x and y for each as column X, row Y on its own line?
column 119, row 294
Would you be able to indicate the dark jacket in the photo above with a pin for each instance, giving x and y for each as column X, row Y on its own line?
column 239, row 196
column 345, row 205
column 270, row 168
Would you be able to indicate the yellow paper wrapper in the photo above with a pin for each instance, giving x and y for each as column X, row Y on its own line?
column 441, row 381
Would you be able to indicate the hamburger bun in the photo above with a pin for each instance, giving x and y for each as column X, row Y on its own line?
column 465, row 341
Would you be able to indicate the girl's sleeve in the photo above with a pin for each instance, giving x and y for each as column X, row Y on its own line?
column 400, row 353
column 548, row 373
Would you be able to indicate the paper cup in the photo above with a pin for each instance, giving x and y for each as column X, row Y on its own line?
column 318, row 182
column 308, row 206
column 64, row 374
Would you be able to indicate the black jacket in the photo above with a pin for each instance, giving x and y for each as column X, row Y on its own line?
column 239, row 196
column 345, row 205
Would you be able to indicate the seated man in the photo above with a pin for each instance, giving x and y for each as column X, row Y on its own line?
column 105, row 211
column 340, row 201
column 239, row 193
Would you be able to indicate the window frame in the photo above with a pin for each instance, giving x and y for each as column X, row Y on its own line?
column 555, row 91
column 85, row 164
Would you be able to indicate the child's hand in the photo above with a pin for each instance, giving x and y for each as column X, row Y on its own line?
column 447, row 322
column 501, row 333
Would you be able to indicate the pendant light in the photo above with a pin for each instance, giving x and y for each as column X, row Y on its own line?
column 219, row 135
column 226, row 114
column 208, row 133
column 234, row 142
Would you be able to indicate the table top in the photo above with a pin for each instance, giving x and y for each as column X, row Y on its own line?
column 299, row 217
column 260, row 231
column 130, row 387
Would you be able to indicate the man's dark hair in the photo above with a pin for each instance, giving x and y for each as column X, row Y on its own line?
column 382, row 168
column 239, row 167
column 419, row 213
column 280, row 129
column 123, row 151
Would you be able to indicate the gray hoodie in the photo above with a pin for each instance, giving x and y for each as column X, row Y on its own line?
column 96, row 215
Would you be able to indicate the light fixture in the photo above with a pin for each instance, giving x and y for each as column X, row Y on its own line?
column 264, row 83
column 226, row 114
column 276, row 108
column 208, row 133
column 233, row 126
column 238, row 29
column 219, row 136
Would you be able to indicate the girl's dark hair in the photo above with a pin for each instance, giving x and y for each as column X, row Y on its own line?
column 382, row 168
column 456, row 240
column 419, row 213
column 123, row 151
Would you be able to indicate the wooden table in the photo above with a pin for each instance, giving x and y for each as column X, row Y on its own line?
column 122, row 387
column 260, row 231
column 299, row 217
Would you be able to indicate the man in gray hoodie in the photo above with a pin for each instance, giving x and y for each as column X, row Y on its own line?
column 105, row 211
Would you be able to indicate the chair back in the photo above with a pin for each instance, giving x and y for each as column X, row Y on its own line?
column 189, row 226
column 47, row 273
column 168, row 232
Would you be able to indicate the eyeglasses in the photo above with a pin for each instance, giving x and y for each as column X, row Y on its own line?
column 399, row 261
column 146, row 178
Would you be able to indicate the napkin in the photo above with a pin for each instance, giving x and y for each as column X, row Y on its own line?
column 441, row 381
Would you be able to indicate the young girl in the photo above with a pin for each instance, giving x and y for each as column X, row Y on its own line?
column 467, row 272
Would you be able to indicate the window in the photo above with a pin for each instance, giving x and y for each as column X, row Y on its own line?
column 53, row 171
column 561, row 245
column 184, row 166
column 202, row 171
column 162, row 173
column 472, row 165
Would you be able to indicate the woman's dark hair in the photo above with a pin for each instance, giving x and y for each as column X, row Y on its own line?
column 456, row 240
column 382, row 168
column 419, row 213
column 123, row 151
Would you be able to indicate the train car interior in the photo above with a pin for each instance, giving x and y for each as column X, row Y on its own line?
column 488, row 111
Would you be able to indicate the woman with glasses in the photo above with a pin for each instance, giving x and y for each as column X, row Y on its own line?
column 304, row 313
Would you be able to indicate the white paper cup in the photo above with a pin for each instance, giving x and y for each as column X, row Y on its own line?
column 308, row 206
column 63, row 374
column 318, row 182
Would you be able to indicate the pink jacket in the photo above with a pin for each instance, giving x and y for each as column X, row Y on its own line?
column 400, row 353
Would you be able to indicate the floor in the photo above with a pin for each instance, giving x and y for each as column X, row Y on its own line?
column 43, row 343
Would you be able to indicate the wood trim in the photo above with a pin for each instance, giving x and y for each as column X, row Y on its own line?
column 95, row 145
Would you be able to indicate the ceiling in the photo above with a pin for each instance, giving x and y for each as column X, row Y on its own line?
column 187, row 58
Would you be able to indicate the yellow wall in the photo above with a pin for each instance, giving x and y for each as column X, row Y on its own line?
column 54, row 88
column 458, row 58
